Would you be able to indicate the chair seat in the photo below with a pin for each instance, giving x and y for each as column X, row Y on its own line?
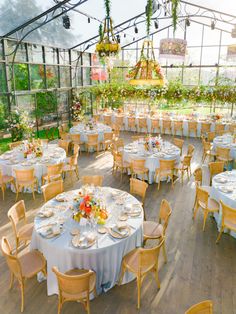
column 230, row 224
column 52, row 178
column 25, row 232
column 31, row 263
column 26, row 182
column 6, row 179
column 92, row 143
column 210, row 152
column 224, row 159
column 213, row 205
column 206, row 188
column 181, row 167
column 140, row 171
column 152, row 229
column 131, row 260
column 92, row 283
column 122, row 165
column 68, row 168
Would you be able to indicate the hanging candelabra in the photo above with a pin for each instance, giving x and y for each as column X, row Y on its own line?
column 147, row 71
column 108, row 46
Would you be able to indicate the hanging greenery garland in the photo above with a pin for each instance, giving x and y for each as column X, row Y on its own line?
column 148, row 15
column 174, row 11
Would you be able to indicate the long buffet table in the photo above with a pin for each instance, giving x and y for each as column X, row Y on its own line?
column 173, row 119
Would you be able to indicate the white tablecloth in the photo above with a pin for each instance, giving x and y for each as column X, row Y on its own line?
column 11, row 160
column 149, row 123
column 136, row 150
column 105, row 259
column 225, row 141
column 228, row 198
column 99, row 129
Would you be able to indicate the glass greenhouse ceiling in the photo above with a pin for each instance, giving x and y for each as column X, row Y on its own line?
column 15, row 12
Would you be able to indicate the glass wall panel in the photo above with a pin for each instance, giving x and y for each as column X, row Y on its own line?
column 35, row 53
column 20, row 52
column 86, row 59
column 63, row 106
column 37, row 75
column 77, row 76
column 193, row 34
column 174, row 73
column 211, row 37
column 191, row 76
column 26, row 103
column 3, row 111
column 210, row 55
column 207, row 76
column 228, row 73
column 3, row 84
column 46, row 111
column 65, row 76
column 1, row 51
column 64, row 56
column 21, row 77
column 51, row 55
column 193, row 56
column 86, row 76
column 52, row 76
column 223, row 57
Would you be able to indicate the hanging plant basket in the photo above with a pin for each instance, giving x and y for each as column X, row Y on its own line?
column 147, row 72
column 108, row 45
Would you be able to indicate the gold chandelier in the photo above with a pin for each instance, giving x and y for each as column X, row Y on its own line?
column 147, row 71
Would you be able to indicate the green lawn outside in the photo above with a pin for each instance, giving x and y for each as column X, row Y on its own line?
column 5, row 141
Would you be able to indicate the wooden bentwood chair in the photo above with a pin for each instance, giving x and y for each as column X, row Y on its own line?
column 138, row 168
column 92, row 180
column 25, row 178
column 139, row 188
column 23, row 267
column 185, row 166
column 54, row 172
column 71, row 167
column 192, row 128
column 215, row 168
column 4, row 180
column 179, row 143
column 208, row 205
column 228, row 219
column 166, row 168
column 178, row 127
column 75, row 285
column 92, row 142
column 204, row 307
column 157, row 230
column 52, row 189
column 119, row 164
column 17, row 215
column 140, row 262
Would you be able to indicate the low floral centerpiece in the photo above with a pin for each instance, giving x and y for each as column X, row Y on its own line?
column 216, row 116
column 152, row 142
column 32, row 148
column 87, row 206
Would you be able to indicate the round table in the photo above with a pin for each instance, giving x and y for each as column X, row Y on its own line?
column 99, row 129
column 226, row 141
column 136, row 150
column 14, row 159
column 105, row 257
column 224, row 188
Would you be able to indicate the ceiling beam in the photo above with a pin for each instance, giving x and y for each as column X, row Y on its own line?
column 55, row 7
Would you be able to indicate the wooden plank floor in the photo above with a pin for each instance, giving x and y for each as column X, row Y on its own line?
column 197, row 268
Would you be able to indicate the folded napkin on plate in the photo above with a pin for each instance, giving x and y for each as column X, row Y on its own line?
column 122, row 232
